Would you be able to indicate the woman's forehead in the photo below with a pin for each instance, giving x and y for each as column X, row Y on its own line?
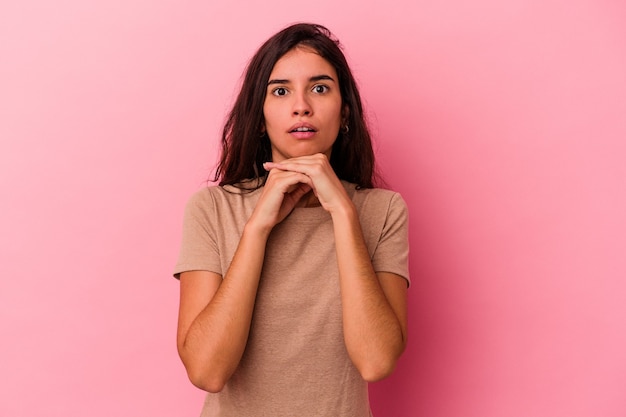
column 302, row 61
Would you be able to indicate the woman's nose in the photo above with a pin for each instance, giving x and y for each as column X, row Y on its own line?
column 301, row 106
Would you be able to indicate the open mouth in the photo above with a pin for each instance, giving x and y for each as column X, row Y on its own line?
column 303, row 129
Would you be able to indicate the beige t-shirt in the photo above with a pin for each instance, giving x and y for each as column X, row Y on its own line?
column 295, row 362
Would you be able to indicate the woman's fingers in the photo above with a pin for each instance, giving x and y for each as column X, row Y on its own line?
column 309, row 165
column 285, row 181
column 281, row 193
column 323, row 180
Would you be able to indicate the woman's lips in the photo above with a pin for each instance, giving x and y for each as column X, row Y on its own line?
column 303, row 135
column 302, row 131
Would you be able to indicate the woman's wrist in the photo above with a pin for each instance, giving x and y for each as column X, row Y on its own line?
column 345, row 211
column 253, row 229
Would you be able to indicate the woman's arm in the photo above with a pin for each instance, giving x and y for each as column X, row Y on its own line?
column 374, row 305
column 215, row 313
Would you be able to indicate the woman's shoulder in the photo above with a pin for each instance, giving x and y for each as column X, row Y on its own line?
column 204, row 195
column 382, row 196
column 213, row 191
column 214, row 197
column 378, row 205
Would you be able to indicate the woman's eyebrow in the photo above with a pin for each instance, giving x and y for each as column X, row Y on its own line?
column 321, row 77
column 270, row 82
column 314, row 78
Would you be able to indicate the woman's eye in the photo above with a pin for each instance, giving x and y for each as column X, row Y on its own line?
column 320, row 89
column 280, row 91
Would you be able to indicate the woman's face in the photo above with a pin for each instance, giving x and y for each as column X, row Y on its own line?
column 303, row 106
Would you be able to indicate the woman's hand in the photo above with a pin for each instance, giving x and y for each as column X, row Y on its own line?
column 282, row 191
column 320, row 177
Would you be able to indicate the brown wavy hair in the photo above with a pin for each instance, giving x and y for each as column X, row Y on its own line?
column 245, row 147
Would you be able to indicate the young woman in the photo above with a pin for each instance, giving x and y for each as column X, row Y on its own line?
column 293, row 271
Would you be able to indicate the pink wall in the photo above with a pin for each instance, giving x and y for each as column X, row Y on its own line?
column 502, row 123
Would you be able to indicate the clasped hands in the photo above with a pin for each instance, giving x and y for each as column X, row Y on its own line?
column 290, row 180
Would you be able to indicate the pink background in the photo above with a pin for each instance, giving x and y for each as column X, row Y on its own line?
column 502, row 123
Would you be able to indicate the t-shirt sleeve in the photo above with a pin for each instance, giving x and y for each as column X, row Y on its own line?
column 199, row 249
column 392, row 251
